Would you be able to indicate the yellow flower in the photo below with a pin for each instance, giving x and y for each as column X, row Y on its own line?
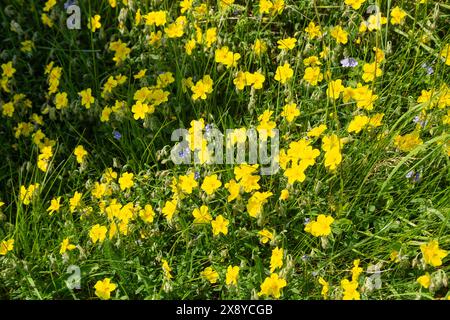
column 227, row 57
column 157, row 18
column 187, row 183
column 357, row 124
column 140, row 74
column 202, row 215
column 54, row 205
column 325, row 287
column 287, row 44
column 176, row 29
column 379, row 55
column 94, row 23
column 321, row 227
column 220, row 225
column 26, row 194
column 97, row 233
column 166, row 269
column 432, row 254
column 147, row 214
column 312, row 61
column 189, row 46
column 259, row 47
column 232, row 275
column 80, row 153
column 408, row 142
column 356, row 4
column 74, row 202
column 265, row 6
column 265, row 235
column 210, row 37
column 371, row 71
column 356, row 270
column 86, row 98
column 272, row 286
column 6, row 246
column 126, row 180
column 248, row 181
column 284, row 73
column 397, row 15
column 284, row 194
column 8, row 70
column 394, row 256
column 201, row 88
column 445, row 53
column 210, row 274
column 121, row 51
column 185, row 5
column 375, row 120
column 243, row 79
column 256, row 202
column 47, row 20
column 375, row 21
column 106, row 113
column 139, row 110
column 211, row 184
column 334, row 89
column 104, row 288
column 258, row 80
column 66, row 246
column 317, row 131
column 313, row 75
column 290, row 111
column 313, row 30
column 49, row 4
column 339, row 34
column 61, row 100
column 350, row 290
column 234, row 189
column 169, row 209
column 8, row 109
column 276, row 260
column 424, row 280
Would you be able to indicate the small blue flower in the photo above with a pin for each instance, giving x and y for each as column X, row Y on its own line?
column 116, row 135
column 428, row 69
column 349, row 62
column 68, row 3
column 416, row 177
column 307, row 220
column 305, row 257
column 196, row 175
column 422, row 123
column 409, row 174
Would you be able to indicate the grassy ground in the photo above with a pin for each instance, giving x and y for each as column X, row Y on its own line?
column 389, row 196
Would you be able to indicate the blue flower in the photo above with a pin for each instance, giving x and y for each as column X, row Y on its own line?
column 422, row 123
column 116, row 135
column 428, row 69
column 409, row 174
column 196, row 175
column 68, row 3
column 349, row 62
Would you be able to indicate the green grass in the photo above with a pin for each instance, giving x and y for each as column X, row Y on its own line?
column 377, row 210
